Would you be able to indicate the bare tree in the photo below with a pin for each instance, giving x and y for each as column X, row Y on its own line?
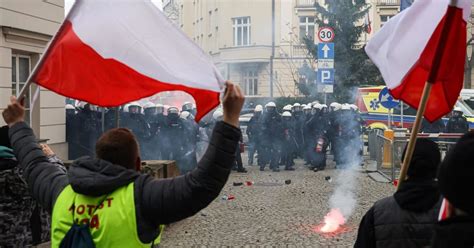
column 469, row 58
column 295, row 58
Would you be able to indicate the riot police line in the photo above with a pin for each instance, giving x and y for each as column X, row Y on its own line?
column 304, row 131
column 275, row 137
column 163, row 132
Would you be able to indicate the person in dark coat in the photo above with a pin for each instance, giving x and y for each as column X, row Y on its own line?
column 173, row 135
column 272, row 135
column 135, row 121
column 298, row 116
column 457, row 123
column 151, row 142
column 88, row 130
column 407, row 218
column 188, row 161
column 239, row 166
column 23, row 222
column 307, row 114
column 316, row 136
column 72, row 130
column 435, row 127
column 253, row 133
column 155, row 202
column 289, row 141
column 455, row 184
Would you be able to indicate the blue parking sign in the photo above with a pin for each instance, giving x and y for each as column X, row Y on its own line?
column 326, row 51
column 326, row 76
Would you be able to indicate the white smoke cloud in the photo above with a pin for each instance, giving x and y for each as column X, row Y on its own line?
column 343, row 197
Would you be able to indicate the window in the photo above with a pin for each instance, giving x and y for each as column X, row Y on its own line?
column 21, row 67
column 384, row 19
column 306, row 28
column 242, row 31
column 250, row 82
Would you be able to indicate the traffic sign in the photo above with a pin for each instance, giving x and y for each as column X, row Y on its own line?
column 387, row 100
column 326, row 88
column 325, row 63
column 326, row 34
column 326, row 76
column 326, row 51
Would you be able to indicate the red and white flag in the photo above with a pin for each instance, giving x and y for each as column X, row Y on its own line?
column 404, row 51
column 112, row 52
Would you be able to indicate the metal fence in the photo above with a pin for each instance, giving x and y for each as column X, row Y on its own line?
column 387, row 153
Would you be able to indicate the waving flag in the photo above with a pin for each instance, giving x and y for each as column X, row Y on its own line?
column 404, row 51
column 112, row 52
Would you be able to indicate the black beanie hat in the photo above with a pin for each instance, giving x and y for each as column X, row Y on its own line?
column 456, row 172
column 425, row 161
column 4, row 139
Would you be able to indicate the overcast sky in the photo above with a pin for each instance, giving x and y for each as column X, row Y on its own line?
column 68, row 4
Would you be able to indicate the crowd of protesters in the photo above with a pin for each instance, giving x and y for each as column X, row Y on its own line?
column 432, row 208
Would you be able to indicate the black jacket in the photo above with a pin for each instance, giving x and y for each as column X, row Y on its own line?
column 157, row 201
column 405, row 219
column 456, row 232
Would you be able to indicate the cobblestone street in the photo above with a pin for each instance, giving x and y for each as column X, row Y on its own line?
column 273, row 214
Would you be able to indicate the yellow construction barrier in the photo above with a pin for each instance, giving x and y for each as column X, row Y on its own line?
column 387, row 149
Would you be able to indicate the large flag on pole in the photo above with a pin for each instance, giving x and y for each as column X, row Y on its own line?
column 112, row 52
column 404, row 51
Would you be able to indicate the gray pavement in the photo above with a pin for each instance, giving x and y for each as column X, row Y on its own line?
column 273, row 214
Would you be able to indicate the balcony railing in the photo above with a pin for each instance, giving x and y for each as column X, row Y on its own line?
column 388, row 2
column 305, row 3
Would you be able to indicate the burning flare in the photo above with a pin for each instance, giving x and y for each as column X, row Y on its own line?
column 333, row 220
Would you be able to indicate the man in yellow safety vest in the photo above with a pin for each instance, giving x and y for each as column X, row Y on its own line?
column 108, row 196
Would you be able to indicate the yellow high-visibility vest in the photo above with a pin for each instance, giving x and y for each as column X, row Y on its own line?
column 111, row 218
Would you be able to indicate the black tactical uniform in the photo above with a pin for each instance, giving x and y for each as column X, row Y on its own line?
column 288, row 143
column 254, row 133
column 88, row 131
column 272, row 135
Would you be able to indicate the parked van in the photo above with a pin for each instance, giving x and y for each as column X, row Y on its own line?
column 377, row 116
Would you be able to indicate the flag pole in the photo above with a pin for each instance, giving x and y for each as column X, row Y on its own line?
column 21, row 95
column 426, row 93
column 414, row 132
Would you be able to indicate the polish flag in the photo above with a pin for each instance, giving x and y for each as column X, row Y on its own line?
column 443, row 211
column 109, row 53
column 405, row 51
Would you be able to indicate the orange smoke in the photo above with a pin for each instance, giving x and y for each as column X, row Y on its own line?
column 333, row 220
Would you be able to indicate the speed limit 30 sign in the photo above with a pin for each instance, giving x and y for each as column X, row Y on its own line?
column 326, row 34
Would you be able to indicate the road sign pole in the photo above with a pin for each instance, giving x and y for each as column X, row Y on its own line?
column 390, row 119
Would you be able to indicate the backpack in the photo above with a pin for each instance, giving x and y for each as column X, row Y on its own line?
column 78, row 236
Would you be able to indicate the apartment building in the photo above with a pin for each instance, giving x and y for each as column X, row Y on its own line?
column 26, row 26
column 238, row 35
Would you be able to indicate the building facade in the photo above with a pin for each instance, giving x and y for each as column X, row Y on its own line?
column 239, row 38
column 26, row 26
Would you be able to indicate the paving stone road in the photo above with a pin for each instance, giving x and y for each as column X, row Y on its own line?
column 273, row 214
